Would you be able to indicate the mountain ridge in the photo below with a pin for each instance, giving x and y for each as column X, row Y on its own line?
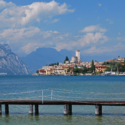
column 45, row 56
column 10, row 63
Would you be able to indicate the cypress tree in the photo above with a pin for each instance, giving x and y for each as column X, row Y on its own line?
column 66, row 59
column 92, row 66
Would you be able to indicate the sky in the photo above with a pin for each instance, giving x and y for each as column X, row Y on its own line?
column 95, row 27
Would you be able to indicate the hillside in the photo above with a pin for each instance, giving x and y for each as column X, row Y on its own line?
column 10, row 63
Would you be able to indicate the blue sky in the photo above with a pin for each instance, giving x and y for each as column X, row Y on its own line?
column 96, row 27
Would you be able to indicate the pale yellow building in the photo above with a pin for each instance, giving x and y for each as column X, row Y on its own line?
column 99, row 68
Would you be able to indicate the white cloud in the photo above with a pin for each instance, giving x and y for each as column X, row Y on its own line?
column 56, row 20
column 47, row 34
column 28, row 39
column 93, row 28
column 4, row 4
column 18, row 34
column 101, row 50
column 60, row 46
column 110, row 21
column 13, row 15
column 92, row 38
column 29, row 47
column 87, row 40
column 100, row 4
column 121, row 38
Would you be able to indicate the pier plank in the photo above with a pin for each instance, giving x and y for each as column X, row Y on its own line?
column 39, row 102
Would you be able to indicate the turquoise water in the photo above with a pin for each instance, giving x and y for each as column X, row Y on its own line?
column 63, row 88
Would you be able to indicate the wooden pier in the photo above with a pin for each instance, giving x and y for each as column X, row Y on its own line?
column 67, row 105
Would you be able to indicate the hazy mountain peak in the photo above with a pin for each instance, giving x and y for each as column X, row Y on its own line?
column 44, row 56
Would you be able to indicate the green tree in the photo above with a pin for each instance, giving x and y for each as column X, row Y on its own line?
column 118, row 64
column 66, row 59
column 108, row 69
column 37, row 71
column 69, row 69
column 92, row 67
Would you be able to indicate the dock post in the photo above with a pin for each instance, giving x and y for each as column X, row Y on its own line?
column 66, row 109
column 6, row 109
column 0, row 109
column 31, row 109
column 98, row 110
column 70, row 109
column 36, row 109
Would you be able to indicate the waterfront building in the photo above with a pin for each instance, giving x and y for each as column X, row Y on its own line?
column 42, row 71
column 99, row 68
column 58, row 71
column 49, row 71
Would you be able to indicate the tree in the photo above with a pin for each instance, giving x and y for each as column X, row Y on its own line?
column 66, row 59
column 108, row 69
column 118, row 64
column 57, row 63
column 69, row 69
column 37, row 71
column 52, row 64
column 92, row 67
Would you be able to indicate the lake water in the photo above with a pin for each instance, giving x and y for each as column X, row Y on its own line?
column 63, row 88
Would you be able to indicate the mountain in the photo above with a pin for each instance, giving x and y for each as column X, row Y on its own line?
column 10, row 63
column 45, row 56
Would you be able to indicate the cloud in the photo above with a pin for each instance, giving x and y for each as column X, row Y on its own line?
column 13, row 15
column 18, row 34
column 87, row 40
column 93, row 28
column 94, row 50
column 121, row 38
column 29, row 47
column 60, row 46
column 92, row 38
column 4, row 4
column 56, row 20
column 28, row 39
column 100, row 4
column 110, row 21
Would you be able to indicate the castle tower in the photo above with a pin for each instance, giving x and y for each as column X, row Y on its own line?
column 78, row 55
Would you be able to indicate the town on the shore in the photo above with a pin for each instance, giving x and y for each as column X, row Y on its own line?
column 77, row 67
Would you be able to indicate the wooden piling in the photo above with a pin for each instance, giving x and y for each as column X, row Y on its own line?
column 0, row 109
column 31, row 109
column 36, row 109
column 70, row 109
column 98, row 110
column 6, row 109
column 66, row 109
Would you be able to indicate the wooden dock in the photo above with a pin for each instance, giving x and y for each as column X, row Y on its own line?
column 67, row 105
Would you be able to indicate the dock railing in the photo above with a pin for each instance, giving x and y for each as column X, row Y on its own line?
column 56, row 96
